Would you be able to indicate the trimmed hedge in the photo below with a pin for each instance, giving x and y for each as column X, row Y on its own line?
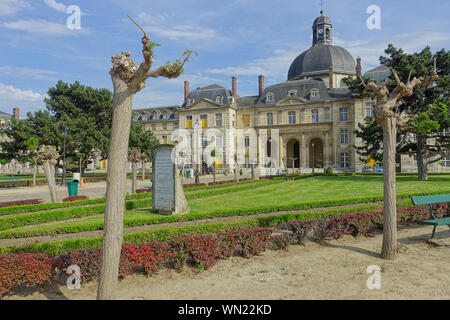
column 19, row 202
column 63, row 214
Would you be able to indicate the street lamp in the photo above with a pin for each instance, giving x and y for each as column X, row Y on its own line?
column 63, row 182
column 313, row 155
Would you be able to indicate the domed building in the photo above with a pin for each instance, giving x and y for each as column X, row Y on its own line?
column 304, row 123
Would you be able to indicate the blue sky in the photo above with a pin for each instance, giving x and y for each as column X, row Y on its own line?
column 242, row 38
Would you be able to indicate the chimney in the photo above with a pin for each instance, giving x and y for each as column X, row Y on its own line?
column 331, row 78
column 16, row 113
column 358, row 66
column 234, row 88
column 186, row 89
column 261, row 84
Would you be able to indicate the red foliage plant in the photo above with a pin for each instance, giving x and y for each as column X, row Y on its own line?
column 74, row 198
column 20, row 202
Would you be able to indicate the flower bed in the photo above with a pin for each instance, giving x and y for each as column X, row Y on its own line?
column 202, row 250
column 74, row 198
column 20, row 202
column 190, row 185
column 221, row 182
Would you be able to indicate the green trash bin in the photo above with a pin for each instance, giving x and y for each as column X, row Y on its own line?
column 188, row 174
column 72, row 187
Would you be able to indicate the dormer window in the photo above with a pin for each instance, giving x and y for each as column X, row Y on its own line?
column 190, row 101
column 269, row 97
column 219, row 99
column 292, row 93
column 314, row 93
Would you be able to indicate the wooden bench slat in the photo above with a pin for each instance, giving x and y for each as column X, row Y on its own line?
column 437, row 198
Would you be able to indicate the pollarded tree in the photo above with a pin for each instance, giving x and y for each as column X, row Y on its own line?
column 127, row 79
column 385, row 114
column 47, row 156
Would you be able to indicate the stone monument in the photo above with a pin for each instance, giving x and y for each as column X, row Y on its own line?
column 167, row 190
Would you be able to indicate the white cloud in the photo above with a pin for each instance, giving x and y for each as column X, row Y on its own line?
column 276, row 65
column 21, row 72
column 370, row 51
column 10, row 7
column 41, row 27
column 55, row 5
column 162, row 26
column 26, row 100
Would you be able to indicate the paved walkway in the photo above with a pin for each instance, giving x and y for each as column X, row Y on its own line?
column 91, row 190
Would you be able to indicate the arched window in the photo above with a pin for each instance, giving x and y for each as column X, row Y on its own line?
column 292, row 93
column 269, row 97
column 314, row 93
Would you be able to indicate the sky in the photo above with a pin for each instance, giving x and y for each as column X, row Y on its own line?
column 242, row 38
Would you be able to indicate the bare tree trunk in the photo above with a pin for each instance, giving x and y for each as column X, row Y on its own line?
column 115, row 193
column 253, row 171
column 143, row 170
column 389, row 248
column 49, row 171
column 134, row 178
column 236, row 172
column 34, row 174
column 214, row 171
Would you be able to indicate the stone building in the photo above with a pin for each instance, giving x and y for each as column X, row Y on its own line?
column 311, row 116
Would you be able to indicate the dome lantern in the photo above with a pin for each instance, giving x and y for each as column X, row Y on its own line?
column 322, row 30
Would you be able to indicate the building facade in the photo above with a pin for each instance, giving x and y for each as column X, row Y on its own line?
column 307, row 121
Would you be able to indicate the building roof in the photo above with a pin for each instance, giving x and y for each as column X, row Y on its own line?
column 156, row 114
column 5, row 116
column 319, row 58
column 322, row 19
column 209, row 92
column 380, row 73
column 302, row 89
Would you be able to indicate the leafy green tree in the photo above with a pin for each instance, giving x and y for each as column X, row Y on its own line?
column 86, row 112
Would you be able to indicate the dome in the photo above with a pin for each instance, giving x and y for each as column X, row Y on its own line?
column 319, row 58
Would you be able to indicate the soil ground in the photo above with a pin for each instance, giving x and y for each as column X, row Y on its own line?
column 337, row 269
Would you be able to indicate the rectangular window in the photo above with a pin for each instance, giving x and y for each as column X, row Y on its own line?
column 345, row 160
column 218, row 119
column 446, row 132
column 292, row 117
column 246, row 120
column 164, row 139
column 188, row 122
column 315, row 116
column 415, row 161
column 153, row 127
column 343, row 114
column 446, row 161
column 175, row 125
column 164, row 126
column 204, row 120
column 246, row 141
column 344, row 136
column 189, row 142
column 204, row 141
column 219, row 141
column 270, row 119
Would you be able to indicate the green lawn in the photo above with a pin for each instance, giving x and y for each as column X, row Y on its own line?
column 319, row 188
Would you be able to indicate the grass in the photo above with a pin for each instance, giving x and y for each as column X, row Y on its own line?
column 307, row 193
column 319, row 188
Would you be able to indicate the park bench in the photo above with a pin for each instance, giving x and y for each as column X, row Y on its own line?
column 430, row 200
